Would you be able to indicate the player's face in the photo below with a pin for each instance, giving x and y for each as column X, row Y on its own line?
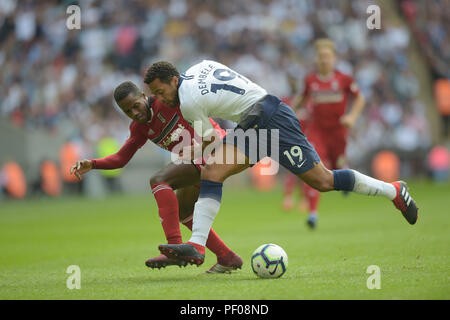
column 136, row 107
column 325, row 60
column 165, row 92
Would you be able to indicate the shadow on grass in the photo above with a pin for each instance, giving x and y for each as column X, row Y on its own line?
column 177, row 279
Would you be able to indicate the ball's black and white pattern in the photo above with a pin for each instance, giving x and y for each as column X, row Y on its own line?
column 269, row 261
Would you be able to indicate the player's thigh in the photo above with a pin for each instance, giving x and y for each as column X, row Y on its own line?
column 319, row 178
column 187, row 197
column 177, row 175
column 295, row 152
column 225, row 161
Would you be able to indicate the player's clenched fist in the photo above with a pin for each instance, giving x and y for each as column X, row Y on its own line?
column 347, row 121
column 80, row 168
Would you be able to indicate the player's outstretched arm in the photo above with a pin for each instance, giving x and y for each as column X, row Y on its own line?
column 80, row 168
column 113, row 161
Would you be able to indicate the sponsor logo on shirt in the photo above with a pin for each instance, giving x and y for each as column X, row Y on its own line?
column 174, row 136
column 327, row 96
column 161, row 117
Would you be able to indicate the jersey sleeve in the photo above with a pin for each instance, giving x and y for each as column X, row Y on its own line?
column 125, row 153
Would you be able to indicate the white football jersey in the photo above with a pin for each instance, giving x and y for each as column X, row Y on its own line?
column 212, row 90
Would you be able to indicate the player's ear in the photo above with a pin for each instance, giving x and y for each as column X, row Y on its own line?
column 175, row 81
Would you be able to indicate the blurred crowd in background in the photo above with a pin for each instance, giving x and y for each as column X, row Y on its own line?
column 51, row 76
column 429, row 22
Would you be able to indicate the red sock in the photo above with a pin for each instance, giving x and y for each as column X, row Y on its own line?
column 313, row 196
column 168, row 211
column 214, row 243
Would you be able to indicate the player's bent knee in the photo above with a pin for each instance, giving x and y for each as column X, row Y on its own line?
column 157, row 179
column 220, row 172
column 210, row 172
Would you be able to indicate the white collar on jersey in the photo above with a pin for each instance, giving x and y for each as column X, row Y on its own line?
column 327, row 77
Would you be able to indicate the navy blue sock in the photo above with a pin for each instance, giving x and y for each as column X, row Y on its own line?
column 211, row 189
column 344, row 179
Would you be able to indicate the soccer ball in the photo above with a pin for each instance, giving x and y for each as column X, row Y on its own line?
column 269, row 261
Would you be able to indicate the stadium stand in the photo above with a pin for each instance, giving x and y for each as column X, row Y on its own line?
column 53, row 79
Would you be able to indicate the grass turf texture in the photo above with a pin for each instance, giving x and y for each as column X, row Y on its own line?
column 110, row 240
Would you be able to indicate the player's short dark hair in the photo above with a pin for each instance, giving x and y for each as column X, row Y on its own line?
column 162, row 70
column 124, row 89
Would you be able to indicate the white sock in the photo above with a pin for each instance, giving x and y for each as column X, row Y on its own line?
column 205, row 211
column 373, row 187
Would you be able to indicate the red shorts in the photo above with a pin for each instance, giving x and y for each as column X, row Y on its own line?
column 330, row 145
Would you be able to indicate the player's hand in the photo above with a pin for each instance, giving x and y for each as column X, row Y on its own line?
column 80, row 168
column 347, row 121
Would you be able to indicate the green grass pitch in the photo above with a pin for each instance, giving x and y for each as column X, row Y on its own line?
column 110, row 239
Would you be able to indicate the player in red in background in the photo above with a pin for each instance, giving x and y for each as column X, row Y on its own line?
column 327, row 93
column 155, row 121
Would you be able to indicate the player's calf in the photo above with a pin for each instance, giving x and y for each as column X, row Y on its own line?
column 351, row 180
column 319, row 178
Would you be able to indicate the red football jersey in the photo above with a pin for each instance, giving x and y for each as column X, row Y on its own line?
column 328, row 98
column 164, row 129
